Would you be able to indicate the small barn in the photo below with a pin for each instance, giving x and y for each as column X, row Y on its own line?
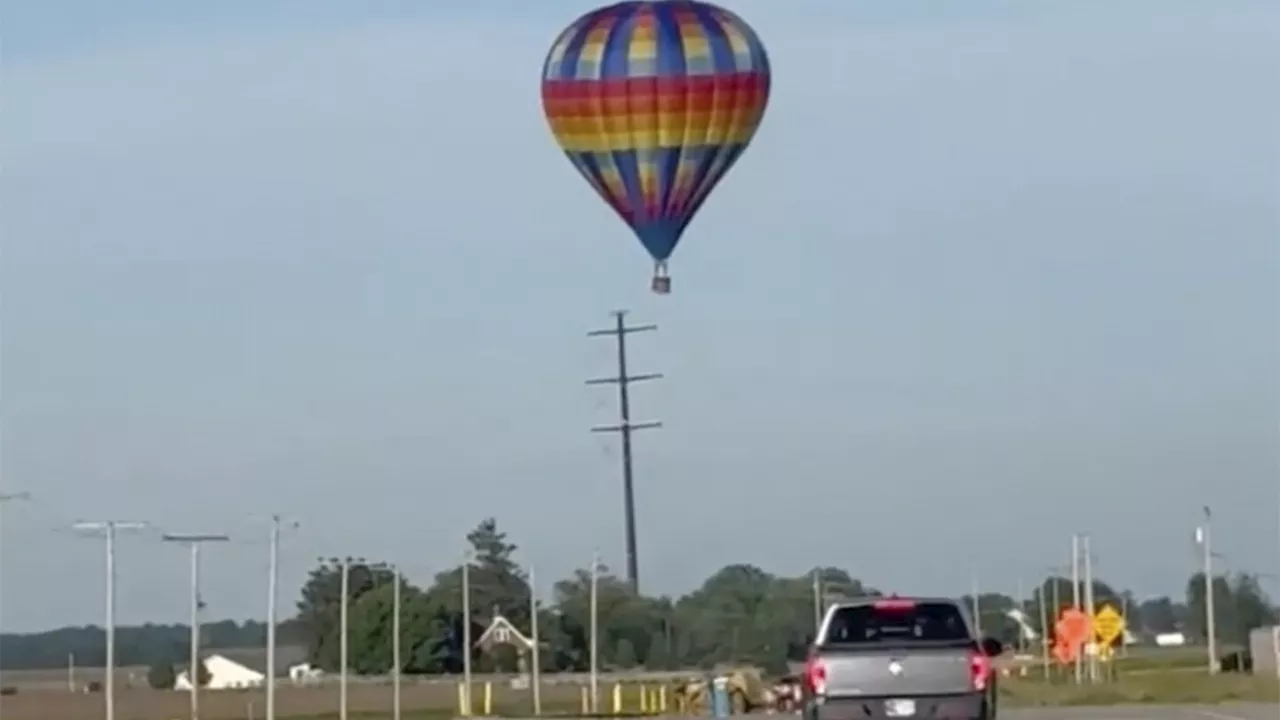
column 243, row 668
column 224, row 674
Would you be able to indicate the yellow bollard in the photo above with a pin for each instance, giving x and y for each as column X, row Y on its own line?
column 586, row 701
column 617, row 698
column 662, row 698
column 644, row 700
column 488, row 699
column 462, row 700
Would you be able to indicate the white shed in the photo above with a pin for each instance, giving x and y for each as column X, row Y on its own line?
column 224, row 674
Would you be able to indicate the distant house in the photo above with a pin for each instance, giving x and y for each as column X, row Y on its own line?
column 243, row 668
column 502, row 632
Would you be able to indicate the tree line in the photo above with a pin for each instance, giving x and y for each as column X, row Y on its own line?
column 739, row 614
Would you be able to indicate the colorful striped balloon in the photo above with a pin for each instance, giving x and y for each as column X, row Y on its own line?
column 653, row 101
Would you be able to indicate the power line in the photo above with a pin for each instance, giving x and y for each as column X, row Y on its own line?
column 625, row 427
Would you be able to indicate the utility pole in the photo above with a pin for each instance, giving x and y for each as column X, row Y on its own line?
column 108, row 530
column 625, row 427
column 1075, row 597
column 593, row 633
column 1210, row 619
column 194, row 541
column 273, row 583
column 1090, row 610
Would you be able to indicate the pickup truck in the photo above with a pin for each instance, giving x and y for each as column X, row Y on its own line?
column 896, row 657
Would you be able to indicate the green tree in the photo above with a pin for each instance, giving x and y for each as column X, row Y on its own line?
column 161, row 676
column 319, row 609
column 202, row 674
column 624, row 655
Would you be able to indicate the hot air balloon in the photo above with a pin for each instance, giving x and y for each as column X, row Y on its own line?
column 653, row 101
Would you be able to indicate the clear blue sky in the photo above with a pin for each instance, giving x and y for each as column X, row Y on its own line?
column 993, row 272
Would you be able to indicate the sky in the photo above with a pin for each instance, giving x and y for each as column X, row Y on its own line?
column 991, row 273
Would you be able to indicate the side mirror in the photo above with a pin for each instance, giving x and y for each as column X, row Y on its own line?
column 992, row 647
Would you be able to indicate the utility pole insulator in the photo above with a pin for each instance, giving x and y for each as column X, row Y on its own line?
column 625, row 427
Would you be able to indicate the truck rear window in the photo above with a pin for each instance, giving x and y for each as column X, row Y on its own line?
column 935, row 621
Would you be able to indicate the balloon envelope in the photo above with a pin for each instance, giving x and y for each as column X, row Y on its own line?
column 653, row 102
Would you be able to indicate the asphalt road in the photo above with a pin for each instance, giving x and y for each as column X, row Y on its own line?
column 1250, row 711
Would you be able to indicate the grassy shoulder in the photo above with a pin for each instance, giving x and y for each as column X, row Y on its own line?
column 1160, row 688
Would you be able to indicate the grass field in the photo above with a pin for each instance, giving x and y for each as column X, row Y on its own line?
column 1164, row 678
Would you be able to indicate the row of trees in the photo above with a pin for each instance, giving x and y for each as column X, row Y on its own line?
column 739, row 614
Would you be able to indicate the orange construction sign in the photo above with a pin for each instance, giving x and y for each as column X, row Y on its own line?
column 1071, row 632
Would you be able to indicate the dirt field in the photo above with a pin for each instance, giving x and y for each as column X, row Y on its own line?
column 145, row 704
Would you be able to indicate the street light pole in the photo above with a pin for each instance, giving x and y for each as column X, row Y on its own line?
column 273, row 584
column 1089, row 608
column 273, row 572
column 343, row 640
column 194, row 541
column 1044, row 631
column 535, row 664
column 1075, row 597
column 466, row 632
column 594, row 652
column 976, row 605
column 1210, row 617
column 817, row 602
column 108, row 530
column 396, row 664
column 344, row 606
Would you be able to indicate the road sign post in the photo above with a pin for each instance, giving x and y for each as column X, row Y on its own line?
column 1108, row 626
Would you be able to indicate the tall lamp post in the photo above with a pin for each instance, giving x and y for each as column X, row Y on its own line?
column 466, row 632
column 344, row 612
column 397, row 664
column 273, row 583
column 1210, row 617
column 194, row 541
column 108, row 529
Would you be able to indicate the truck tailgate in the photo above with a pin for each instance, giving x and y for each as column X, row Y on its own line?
column 901, row 671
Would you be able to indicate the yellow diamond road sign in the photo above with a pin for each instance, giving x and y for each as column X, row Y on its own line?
column 1108, row 625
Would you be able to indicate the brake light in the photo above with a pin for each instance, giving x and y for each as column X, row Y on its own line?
column 815, row 676
column 979, row 670
column 894, row 604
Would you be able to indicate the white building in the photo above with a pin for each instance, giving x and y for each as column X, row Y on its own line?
column 246, row 668
column 224, row 674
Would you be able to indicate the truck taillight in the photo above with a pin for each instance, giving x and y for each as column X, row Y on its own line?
column 815, row 676
column 979, row 670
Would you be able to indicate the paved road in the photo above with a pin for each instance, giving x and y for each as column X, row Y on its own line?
column 1241, row 711
column 1250, row 711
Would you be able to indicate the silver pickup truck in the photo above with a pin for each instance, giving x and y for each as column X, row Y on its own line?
column 896, row 657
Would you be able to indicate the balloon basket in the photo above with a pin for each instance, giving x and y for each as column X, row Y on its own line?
column 661, row 285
